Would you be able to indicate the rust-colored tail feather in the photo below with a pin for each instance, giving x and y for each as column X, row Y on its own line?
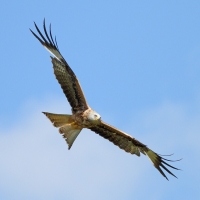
column 67, row 128
column 58, row 120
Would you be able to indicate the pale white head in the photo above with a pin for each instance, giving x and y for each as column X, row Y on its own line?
column 93, row 117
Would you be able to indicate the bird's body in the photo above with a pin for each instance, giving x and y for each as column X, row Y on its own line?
column 71, row 125
column 85, row 117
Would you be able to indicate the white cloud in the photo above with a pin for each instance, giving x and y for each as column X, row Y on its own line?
column 36, row 164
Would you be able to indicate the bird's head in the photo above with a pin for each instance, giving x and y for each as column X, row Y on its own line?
column 94, row 117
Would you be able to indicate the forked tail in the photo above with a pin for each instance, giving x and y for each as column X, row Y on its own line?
column 66, row 126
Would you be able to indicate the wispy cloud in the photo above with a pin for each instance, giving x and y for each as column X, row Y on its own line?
column 36, row 164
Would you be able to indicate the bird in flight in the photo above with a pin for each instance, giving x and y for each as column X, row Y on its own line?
column 83, row 116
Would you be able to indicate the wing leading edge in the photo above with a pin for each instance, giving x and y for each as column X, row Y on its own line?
column 133, row 146
column 64, row 74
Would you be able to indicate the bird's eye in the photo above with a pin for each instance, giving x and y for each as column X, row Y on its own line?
column 95, row 116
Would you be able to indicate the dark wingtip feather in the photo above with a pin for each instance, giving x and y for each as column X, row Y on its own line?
column 160, row 170
column 172, row 160
column 169, row 165
column 165, row 168
column 45, row 31
column 38, row 30
column 42, row 42
column 51, row 35
column 166, row 155
column 160, row 162
column 47, row 41
column 163, row 163
column 56, row 43
column 168, row 159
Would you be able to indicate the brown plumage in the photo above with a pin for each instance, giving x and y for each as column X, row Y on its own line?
column 83, row 116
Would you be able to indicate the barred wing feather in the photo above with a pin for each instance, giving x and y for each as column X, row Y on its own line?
column 64, row 74
column 133, row 146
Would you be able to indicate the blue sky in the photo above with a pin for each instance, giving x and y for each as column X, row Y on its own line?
column 139, row 66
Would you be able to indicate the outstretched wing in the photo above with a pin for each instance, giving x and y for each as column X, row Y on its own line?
column 131, row 145
column 64, row 74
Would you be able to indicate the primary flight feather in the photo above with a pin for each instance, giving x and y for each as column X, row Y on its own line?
column 85, row 117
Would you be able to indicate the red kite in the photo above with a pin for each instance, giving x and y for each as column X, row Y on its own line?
column 85, row 117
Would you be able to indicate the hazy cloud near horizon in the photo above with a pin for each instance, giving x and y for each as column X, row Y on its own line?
column 36, row 162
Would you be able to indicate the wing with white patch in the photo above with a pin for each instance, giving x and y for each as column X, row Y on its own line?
column 131, row 145
column 64, row 74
